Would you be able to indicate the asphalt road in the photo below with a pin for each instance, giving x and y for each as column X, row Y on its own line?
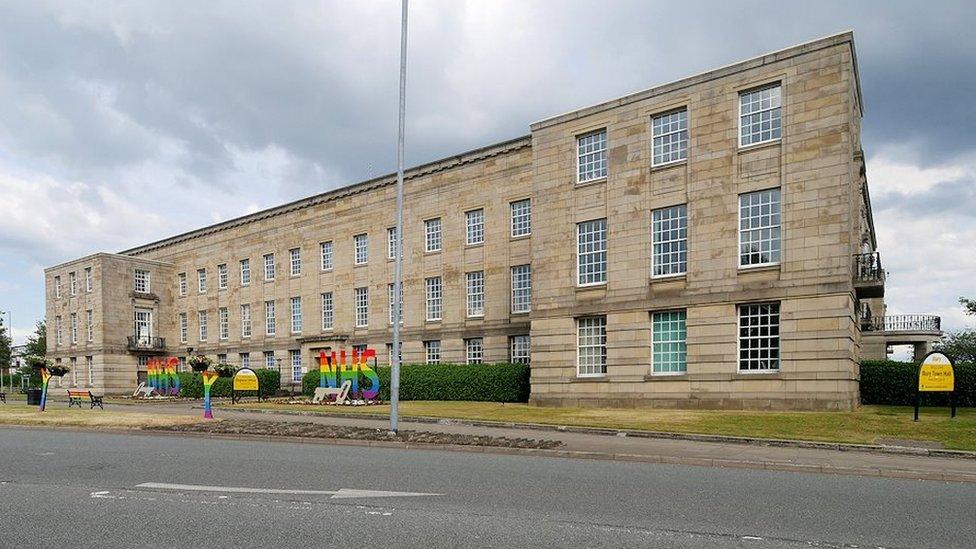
column 75, row 489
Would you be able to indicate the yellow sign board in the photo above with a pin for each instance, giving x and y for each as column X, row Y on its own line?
column 936, row 374
column 245, row 380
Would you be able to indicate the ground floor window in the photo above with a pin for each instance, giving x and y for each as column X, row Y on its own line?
column 269, row 360
column 759, row 337
column 432, row 352
column 91, row 372
column 519, row 349
column 296, row 365
column 245, row 360
column 669, row 353
column 591, row 345
column 474, row 350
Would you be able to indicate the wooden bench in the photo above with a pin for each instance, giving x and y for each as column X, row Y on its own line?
column 75, row 397
column 3, row 398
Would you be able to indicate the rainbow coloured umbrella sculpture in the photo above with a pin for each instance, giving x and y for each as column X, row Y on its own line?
column 208, row 380
column 45, row 378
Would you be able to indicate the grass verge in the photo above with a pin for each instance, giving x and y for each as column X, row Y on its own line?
column 867, row 425
column 21, row 414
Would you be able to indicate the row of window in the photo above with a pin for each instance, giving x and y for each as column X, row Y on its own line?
column 760, row 121
column 73, row 328
column 521, row 225
column 521, row 302
column 758, row 339
column 759, row 238
column 73, row 283
column 89, row 371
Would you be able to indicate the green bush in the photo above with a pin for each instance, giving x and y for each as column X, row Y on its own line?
column 477, row 382
column 191, row 384
column 893, row 383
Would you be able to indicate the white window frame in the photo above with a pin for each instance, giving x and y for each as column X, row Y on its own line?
column 143, row 317
column 57, row 330
column 361, row 249
column 776, row 198
column 223, row 324
column 663, row 235
column 598, row 322
column 592, row 229
column 182, row 285
column 73, row 283
column 521, row 277
column 140, row 279
column 245, row 360
column 521, row 217
column 475, row 292
column 269, row 360
column 245, row 320
column 89, row 282
column 673, row 127
column 90, row 322
column 245, row 272
column 270, row 270
column 474, row 227
column 597, row 153
column 432, row 351
column 296, row 315
column 270, row 319
column 775, row 110
column 434, row 298
column 295, row 261
column 433, row 238
column 391, row 243
column 57, row 287
column 474, row 350
column 202, row 280
column 361, row 302
column 755, row 310
column 326, row 259
column 73, row 327
column 516, row 344
column 202, row 326
column 328, row 311
column 389, row 291
column 680, row 342
column 184, row 328
column 89, row 361
column 295, row 356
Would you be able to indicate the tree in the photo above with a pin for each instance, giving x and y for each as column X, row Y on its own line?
column 961, row 346
column 37, row 342
column 969, row 304
column 5, row 350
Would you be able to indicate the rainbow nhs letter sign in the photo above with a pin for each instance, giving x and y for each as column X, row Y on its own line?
column 333, row 373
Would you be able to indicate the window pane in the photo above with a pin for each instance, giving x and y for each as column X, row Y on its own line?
column 521, row 288
column 592, row 252
column 669, row 234
column 475, row 226
column 759, row 336
column 759, row 228
column 521, row 217
column 476, row 293
column 432, row 229
column 669, row 342
column 670, row 140
column 759, row 116
column 434, row 298
column 592, row 345
column 591, row 156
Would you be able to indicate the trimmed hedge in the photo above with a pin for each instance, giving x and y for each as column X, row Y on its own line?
column 893, row 383
column 191, row 384
column 476, row 382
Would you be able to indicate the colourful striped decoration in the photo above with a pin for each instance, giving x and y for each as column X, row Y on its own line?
column 208, row 380
column 334, row 373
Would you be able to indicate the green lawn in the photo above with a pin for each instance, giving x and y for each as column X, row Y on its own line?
column 864, row 426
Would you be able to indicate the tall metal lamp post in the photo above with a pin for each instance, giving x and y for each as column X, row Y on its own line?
column 398, row 251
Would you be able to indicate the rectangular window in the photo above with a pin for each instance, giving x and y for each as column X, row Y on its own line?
column 202, row 319
column 296, row 365
column 74, row 327
column 222, row 278
column 670, row 137
column 181, row 366
column 476, row 293
column 91, row 372
column 245, row 360
column 296, row 261
column 269, row 267
column 591, row 156
column 143, row 325
column 270, row 322
column 328, row 313
column 223, row 323
column 434, row 297
column 74, row 371
column 391, row 243
column 88, row 280
column 141, row 277
column 432, row 232
column 759, row 116
column 362, row 307
column 73, row 283
column 246, row 320
column 361, row 242
column 222, row 358
column 90, row 325
column 202, row 281
column 591, row 257
column 669, row 238
column 475, row 223
column 184, row 328
column 432, row 352
column 669, row 348
column 759, row 228
column 326, row 255
column 57, row 329
column 759, row 337
column 521, row 288
column 389, row 353
column 296, row 315
column 519, row 350
column 269, row 360
column 474, row 350
column 181, row 284
column 390, row 295
column 245, row 272
column 591, row 346
column 521, row 217
column 57, row 287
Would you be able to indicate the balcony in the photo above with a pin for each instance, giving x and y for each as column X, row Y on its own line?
column 869, row 277
column 879, row 334
column 903, row 323
column 144, row 344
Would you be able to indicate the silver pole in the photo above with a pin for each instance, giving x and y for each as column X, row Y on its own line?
column 398, row 252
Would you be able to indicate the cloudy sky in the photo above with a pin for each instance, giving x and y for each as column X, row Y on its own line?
column 122, row 123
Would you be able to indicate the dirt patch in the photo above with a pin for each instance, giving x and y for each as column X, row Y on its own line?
column 317, row 430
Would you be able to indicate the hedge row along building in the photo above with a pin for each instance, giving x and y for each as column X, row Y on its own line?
column 704, row 243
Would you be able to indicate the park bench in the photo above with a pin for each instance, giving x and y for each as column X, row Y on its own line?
column 75, row 397
column 341, row 393
column 3, row 398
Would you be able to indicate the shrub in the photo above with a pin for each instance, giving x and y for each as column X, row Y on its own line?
column 894, row 383
column 477, row 382
column 191, row 384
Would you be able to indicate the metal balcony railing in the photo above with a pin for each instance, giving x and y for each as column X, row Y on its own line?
column 867, row 267
column 144, row 343
column 902, row 323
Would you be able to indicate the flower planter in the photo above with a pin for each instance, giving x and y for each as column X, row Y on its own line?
column 200, row 367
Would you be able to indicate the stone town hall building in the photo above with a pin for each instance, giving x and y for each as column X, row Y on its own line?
column 704, row 243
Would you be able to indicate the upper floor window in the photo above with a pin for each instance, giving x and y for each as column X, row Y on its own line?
column 269, row 267
column 434, row 297
column 521, row 288
column 670, row 137
column 759, row 337
column 246, row 320
column 72, row 283
column 90, row 325
column 222, row 276
column 476, row 293
column 223, row 323
column 328, row 313
column 270, row 321
column 88, row 280
column 57, row 287
column 202, row 320
column 141, row 281
column 521, row 217
column 361, row 242
column 759, row 116
column 432, row 235
column 391, row 238
column 202, row 280
column 296, row 315
column 181, row 283
column 326, row 255
column 759, row 228
column 245, row 272
column 184, row 328
column 475, row 226
column 362, row 307
column 295, row 255
column 669, row 237
column 591, row 156
column 591, row 256
column 390, row 294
